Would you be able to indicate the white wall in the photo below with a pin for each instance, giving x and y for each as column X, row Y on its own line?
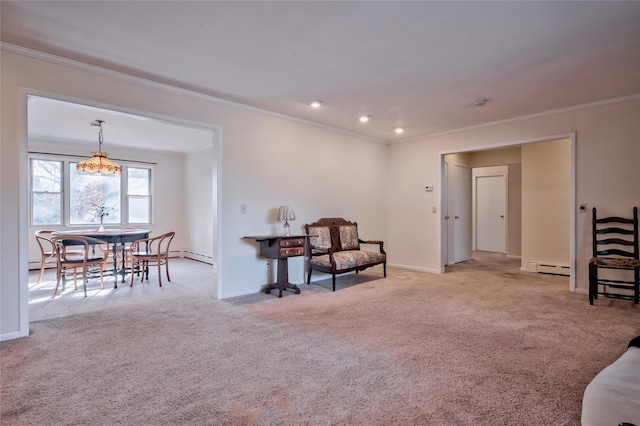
column 265, row 161
column 546, row 182
column 495, row 157
column 514, row 206
column 199, row 204
column 606, row 176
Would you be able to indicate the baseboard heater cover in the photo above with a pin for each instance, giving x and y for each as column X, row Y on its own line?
column 554, row 269
column 189, row 254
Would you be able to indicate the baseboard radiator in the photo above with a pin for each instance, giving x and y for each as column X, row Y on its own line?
column 550, row 268
column 189, row 254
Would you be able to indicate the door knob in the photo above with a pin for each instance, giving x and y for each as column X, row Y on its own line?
column 502, row 216
column 446, row 217
column 456, row 217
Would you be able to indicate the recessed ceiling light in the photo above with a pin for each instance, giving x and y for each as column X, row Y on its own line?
column 315, row 104
column 480, row 102
column 399, row 130
column 363, row 119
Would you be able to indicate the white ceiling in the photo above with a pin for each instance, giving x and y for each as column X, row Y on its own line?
column 419, row 65
column 59, row 121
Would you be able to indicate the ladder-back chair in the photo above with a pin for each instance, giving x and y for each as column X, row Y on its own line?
column 615, row 247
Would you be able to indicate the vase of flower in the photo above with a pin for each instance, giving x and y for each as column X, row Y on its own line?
column 102, row 211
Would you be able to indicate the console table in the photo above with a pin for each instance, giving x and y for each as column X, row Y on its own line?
column 281, row 247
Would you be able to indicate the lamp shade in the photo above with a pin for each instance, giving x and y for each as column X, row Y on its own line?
column 99, row 163
column 286, row 213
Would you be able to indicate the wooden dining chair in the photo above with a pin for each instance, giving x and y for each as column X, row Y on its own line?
column 47, row 251
column 92, row 256
column 150, row 252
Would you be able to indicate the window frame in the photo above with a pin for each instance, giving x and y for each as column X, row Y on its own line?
column 32, row 192
column 127, row 196
column 66, row 161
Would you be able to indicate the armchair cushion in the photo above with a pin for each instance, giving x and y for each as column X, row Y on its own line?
column 322, row 242
column 619, row 262
column 349, row 237
column 349, row 259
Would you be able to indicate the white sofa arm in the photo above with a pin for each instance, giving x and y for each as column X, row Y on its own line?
column 613, row 396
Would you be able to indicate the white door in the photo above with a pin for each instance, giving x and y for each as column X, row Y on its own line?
column 457, row 213
column 447, row 224
column 461, row 219
column 490, row 213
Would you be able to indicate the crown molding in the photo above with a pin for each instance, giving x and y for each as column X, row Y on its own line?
column 36, row 54
column 523, row 117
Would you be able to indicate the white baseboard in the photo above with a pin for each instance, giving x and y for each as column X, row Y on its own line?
column 413, row 268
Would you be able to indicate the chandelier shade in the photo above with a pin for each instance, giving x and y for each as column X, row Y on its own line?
column 99, row 163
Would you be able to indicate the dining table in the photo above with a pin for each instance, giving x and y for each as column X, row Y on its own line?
column 116, row 236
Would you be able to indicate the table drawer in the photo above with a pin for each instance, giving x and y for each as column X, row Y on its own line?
column 291, row 251
column 292, row 242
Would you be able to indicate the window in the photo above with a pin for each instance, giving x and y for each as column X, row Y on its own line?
column 46, row 192
column 89, row 193
column 139, row 195
column 60, row 195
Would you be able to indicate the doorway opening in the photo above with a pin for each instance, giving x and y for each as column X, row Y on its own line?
column 57, row 126
column 539, row 204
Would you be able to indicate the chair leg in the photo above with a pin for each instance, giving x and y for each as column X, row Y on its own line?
column 593, row 283
column 58, row 276
column 133, row 268
column 166, row 266
column 159, row 274
column 41, row 272
column 636, row 297
column 145, row 270
column 85, row 279
column 102, row 277
column 334, row 282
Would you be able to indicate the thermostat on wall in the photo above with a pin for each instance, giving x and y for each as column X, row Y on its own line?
column 428, row 188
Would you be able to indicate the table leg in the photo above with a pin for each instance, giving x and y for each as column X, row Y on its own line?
column 115, row 265
column 124, row 268
column 283, row 279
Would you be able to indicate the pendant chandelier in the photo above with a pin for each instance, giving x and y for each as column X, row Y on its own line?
column 99, row 163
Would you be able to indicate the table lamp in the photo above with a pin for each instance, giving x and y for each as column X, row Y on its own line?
column 286, row 213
